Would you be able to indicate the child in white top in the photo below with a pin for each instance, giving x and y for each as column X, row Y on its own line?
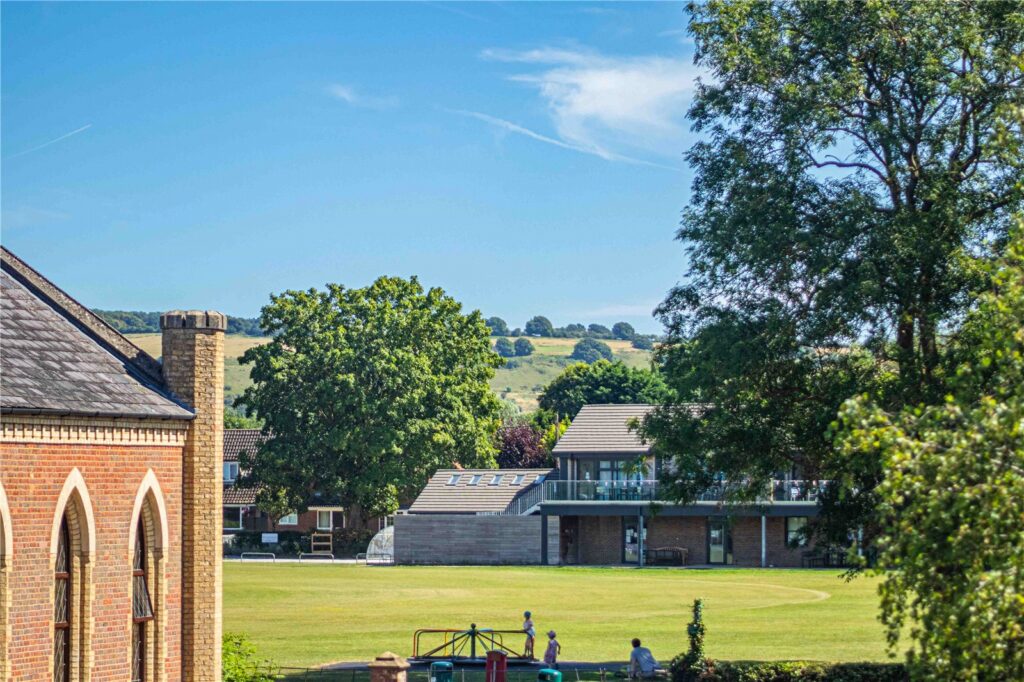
column 530, row 634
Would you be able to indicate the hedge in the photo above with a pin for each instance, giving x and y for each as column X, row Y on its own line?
column 791, row 671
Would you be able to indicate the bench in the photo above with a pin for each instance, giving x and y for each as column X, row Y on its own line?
column 665, row 556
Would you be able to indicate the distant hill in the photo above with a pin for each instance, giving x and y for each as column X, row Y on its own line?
column 521, row 380
column 139, row 322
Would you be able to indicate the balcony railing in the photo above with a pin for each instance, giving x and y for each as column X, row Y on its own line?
column 648, row 491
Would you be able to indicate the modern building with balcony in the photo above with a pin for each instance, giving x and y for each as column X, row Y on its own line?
column 609, row 509
column 602, row 505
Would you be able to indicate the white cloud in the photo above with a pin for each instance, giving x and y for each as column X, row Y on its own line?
column 608, row 104
column 520, row 130
column 348, row 94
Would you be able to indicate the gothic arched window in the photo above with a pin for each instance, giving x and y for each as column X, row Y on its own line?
column 142, row 605
column 62, row 607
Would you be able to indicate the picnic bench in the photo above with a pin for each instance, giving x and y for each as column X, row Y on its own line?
column 665, row 556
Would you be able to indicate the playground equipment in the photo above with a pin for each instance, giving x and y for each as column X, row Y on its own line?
column 467, row 646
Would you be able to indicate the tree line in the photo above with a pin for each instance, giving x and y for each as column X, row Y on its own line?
column 139, row 322
column 541, row 326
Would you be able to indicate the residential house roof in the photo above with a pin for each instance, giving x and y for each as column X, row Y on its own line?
column 235, row 496
column 60, row 358
column 604, row 428
column 238, row 440
column 471, row 491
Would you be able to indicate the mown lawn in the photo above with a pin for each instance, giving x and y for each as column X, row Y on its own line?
column 306, row 615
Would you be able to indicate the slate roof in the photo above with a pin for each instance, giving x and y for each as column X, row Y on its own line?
column 237, row 440
column 463, row 497
column 57, row 357
column 604, row 428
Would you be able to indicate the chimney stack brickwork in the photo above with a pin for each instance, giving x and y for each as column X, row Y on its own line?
column 193, row 367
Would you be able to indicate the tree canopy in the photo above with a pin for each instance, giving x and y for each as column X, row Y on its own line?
column 523, row 347
column 591, row 350
column 504, row 347
column 623, row 330
column 952, row 499
column 497, row 326
column 602, row 382
column 539, row 326
column 366, row 392
column 520, row 446
column 848, row 191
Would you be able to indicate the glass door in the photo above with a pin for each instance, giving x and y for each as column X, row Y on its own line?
column 630, row 543
column 719, row 541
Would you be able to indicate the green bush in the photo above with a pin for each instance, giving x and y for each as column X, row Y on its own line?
column 504, row 348
column 239, row 662
column 790, row 671
column 523, row 347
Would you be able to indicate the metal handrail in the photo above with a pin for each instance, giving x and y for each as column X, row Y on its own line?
column 778, row 490
column 456, row 641
column 526, row 501
column 258, row 554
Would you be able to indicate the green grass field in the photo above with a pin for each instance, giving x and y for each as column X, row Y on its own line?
column 305, row 615
column 521, row 383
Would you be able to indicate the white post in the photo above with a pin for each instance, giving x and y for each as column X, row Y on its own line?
column 764, row 535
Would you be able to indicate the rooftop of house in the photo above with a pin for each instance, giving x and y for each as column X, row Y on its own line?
column 59, row 358
column 238, row 440
column 604, row 428
column 470, row 491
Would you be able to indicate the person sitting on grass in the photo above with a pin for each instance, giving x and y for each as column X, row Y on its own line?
column 530, row 634
column 554, row 648
column 642, row 664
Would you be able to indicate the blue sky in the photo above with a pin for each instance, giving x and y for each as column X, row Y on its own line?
column 527, row 158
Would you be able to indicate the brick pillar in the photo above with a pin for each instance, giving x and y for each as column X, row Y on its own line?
column 388, row 667
column 193, row 367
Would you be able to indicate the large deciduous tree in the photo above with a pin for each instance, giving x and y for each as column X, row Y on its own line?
column 364, row 393
column 520, row 446
column 539, row 326
column 847, row 189
column 952, row 500
column 601, row 382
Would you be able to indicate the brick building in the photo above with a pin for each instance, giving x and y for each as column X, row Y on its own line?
column 110, row 492
column 241, row 513
column 602, row 505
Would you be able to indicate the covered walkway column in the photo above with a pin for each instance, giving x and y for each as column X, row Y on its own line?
column 764, row 535
column 640, row 537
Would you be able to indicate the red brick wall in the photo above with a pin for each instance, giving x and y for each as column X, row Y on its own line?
column 33, row 476
column 600, row 540
column 746, row 543
column 688, row 532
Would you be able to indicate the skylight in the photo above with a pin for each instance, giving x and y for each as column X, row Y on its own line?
column 454, row 479
column 475, row 479
column 518, row 480
column 497, row 479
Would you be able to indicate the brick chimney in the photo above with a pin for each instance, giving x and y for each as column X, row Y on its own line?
column 193, row 367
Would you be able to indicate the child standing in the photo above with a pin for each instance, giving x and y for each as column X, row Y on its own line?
column 554, row 648
column 530, row 634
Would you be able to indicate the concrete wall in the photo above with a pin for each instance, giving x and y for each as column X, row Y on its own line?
column 465, row 539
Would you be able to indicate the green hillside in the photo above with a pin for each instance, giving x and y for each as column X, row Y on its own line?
column 520, row 381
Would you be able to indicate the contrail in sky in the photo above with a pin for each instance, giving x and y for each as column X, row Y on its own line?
column 53, row 141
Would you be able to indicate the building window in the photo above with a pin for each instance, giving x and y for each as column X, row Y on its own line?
column 454, row 479
column 474, row 479
column 324, row 520
column 142, row 605
column 289, row 520
column 232, row 518
column 230, row 472
column 795, row 536
column 62, row 607
column 518, row 480
column 497, row 479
